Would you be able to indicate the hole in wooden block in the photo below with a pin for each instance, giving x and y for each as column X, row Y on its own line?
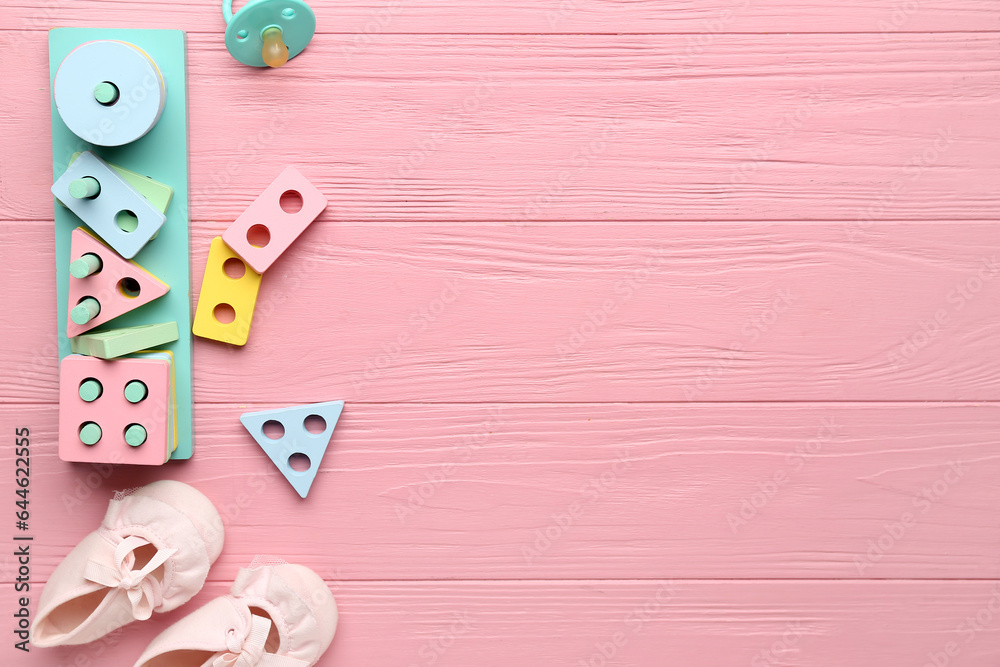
column 128, row 288
column 273, row 429
column 314, row 424
column 224, row 313
column 127, row 221
column 258, row 236
column 234, row 268
column 291, row 201
column 299, row 462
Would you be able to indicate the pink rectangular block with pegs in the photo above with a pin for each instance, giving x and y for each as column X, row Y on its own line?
column 275, row 219
column 116, row 411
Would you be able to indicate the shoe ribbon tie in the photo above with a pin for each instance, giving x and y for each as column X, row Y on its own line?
column 248, row 651
column 145, row 593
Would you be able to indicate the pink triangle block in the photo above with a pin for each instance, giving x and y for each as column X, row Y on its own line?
column 107, row 286
column 280, row 227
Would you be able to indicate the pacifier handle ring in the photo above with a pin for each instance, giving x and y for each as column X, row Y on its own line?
column 227, row 10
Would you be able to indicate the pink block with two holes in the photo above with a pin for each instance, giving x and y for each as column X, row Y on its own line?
column 275, row 219
column 113, row 413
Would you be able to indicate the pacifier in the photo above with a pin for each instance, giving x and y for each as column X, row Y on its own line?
column 268, row 33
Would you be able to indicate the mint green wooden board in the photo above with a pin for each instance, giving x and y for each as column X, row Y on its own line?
column 162, row 155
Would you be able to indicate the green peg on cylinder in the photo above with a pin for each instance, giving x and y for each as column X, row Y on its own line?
column 90, row 433
column 91, row 390
column 86, row 310
column 135, row 435
column 106, row 93
column 135, row 391
column 87, row 187
column 88, row 264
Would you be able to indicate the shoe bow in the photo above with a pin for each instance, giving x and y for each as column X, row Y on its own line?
column 247, row 649
column 145, row 593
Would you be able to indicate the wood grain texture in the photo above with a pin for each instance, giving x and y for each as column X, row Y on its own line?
column 459, row 623
column 371, row 20
column 680, row 312
column 481, row 491
column 667, row 330
column 569, row 129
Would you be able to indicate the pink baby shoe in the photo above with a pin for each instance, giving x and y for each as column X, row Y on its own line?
column 277, row 615
column 151, row 553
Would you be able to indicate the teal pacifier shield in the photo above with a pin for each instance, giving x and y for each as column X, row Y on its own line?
column 243, row 34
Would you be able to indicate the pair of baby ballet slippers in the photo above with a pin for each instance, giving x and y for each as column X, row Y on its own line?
column 152, row 554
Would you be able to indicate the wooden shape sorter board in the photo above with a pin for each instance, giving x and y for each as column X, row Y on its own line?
column 161, row 154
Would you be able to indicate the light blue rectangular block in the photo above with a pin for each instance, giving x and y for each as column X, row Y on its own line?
column 100, row 212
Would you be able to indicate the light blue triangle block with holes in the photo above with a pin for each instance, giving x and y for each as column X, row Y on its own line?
column 296, row 439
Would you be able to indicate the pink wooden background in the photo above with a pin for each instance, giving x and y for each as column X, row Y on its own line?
column 721, row 278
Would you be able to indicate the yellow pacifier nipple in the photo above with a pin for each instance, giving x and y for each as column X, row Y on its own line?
column 275, row 53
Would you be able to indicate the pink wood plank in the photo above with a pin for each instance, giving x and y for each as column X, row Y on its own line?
column 542, row 623
column 566, row 129
column 370, row 21
column 480, row 491
column 488, row 444
column 675, row 312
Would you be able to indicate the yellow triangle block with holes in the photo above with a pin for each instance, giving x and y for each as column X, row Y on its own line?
column 228, row 296
column 103, row 286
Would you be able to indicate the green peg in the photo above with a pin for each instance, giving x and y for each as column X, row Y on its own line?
column 135, row 391
column 90, row 433
column 91, row 390
column 85, row 266
column 87, row 187
column 106, row 93
column 135, row 435
column 85, row 311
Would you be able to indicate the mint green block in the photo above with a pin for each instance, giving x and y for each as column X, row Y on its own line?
column 161, row 155
column 118, row 342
